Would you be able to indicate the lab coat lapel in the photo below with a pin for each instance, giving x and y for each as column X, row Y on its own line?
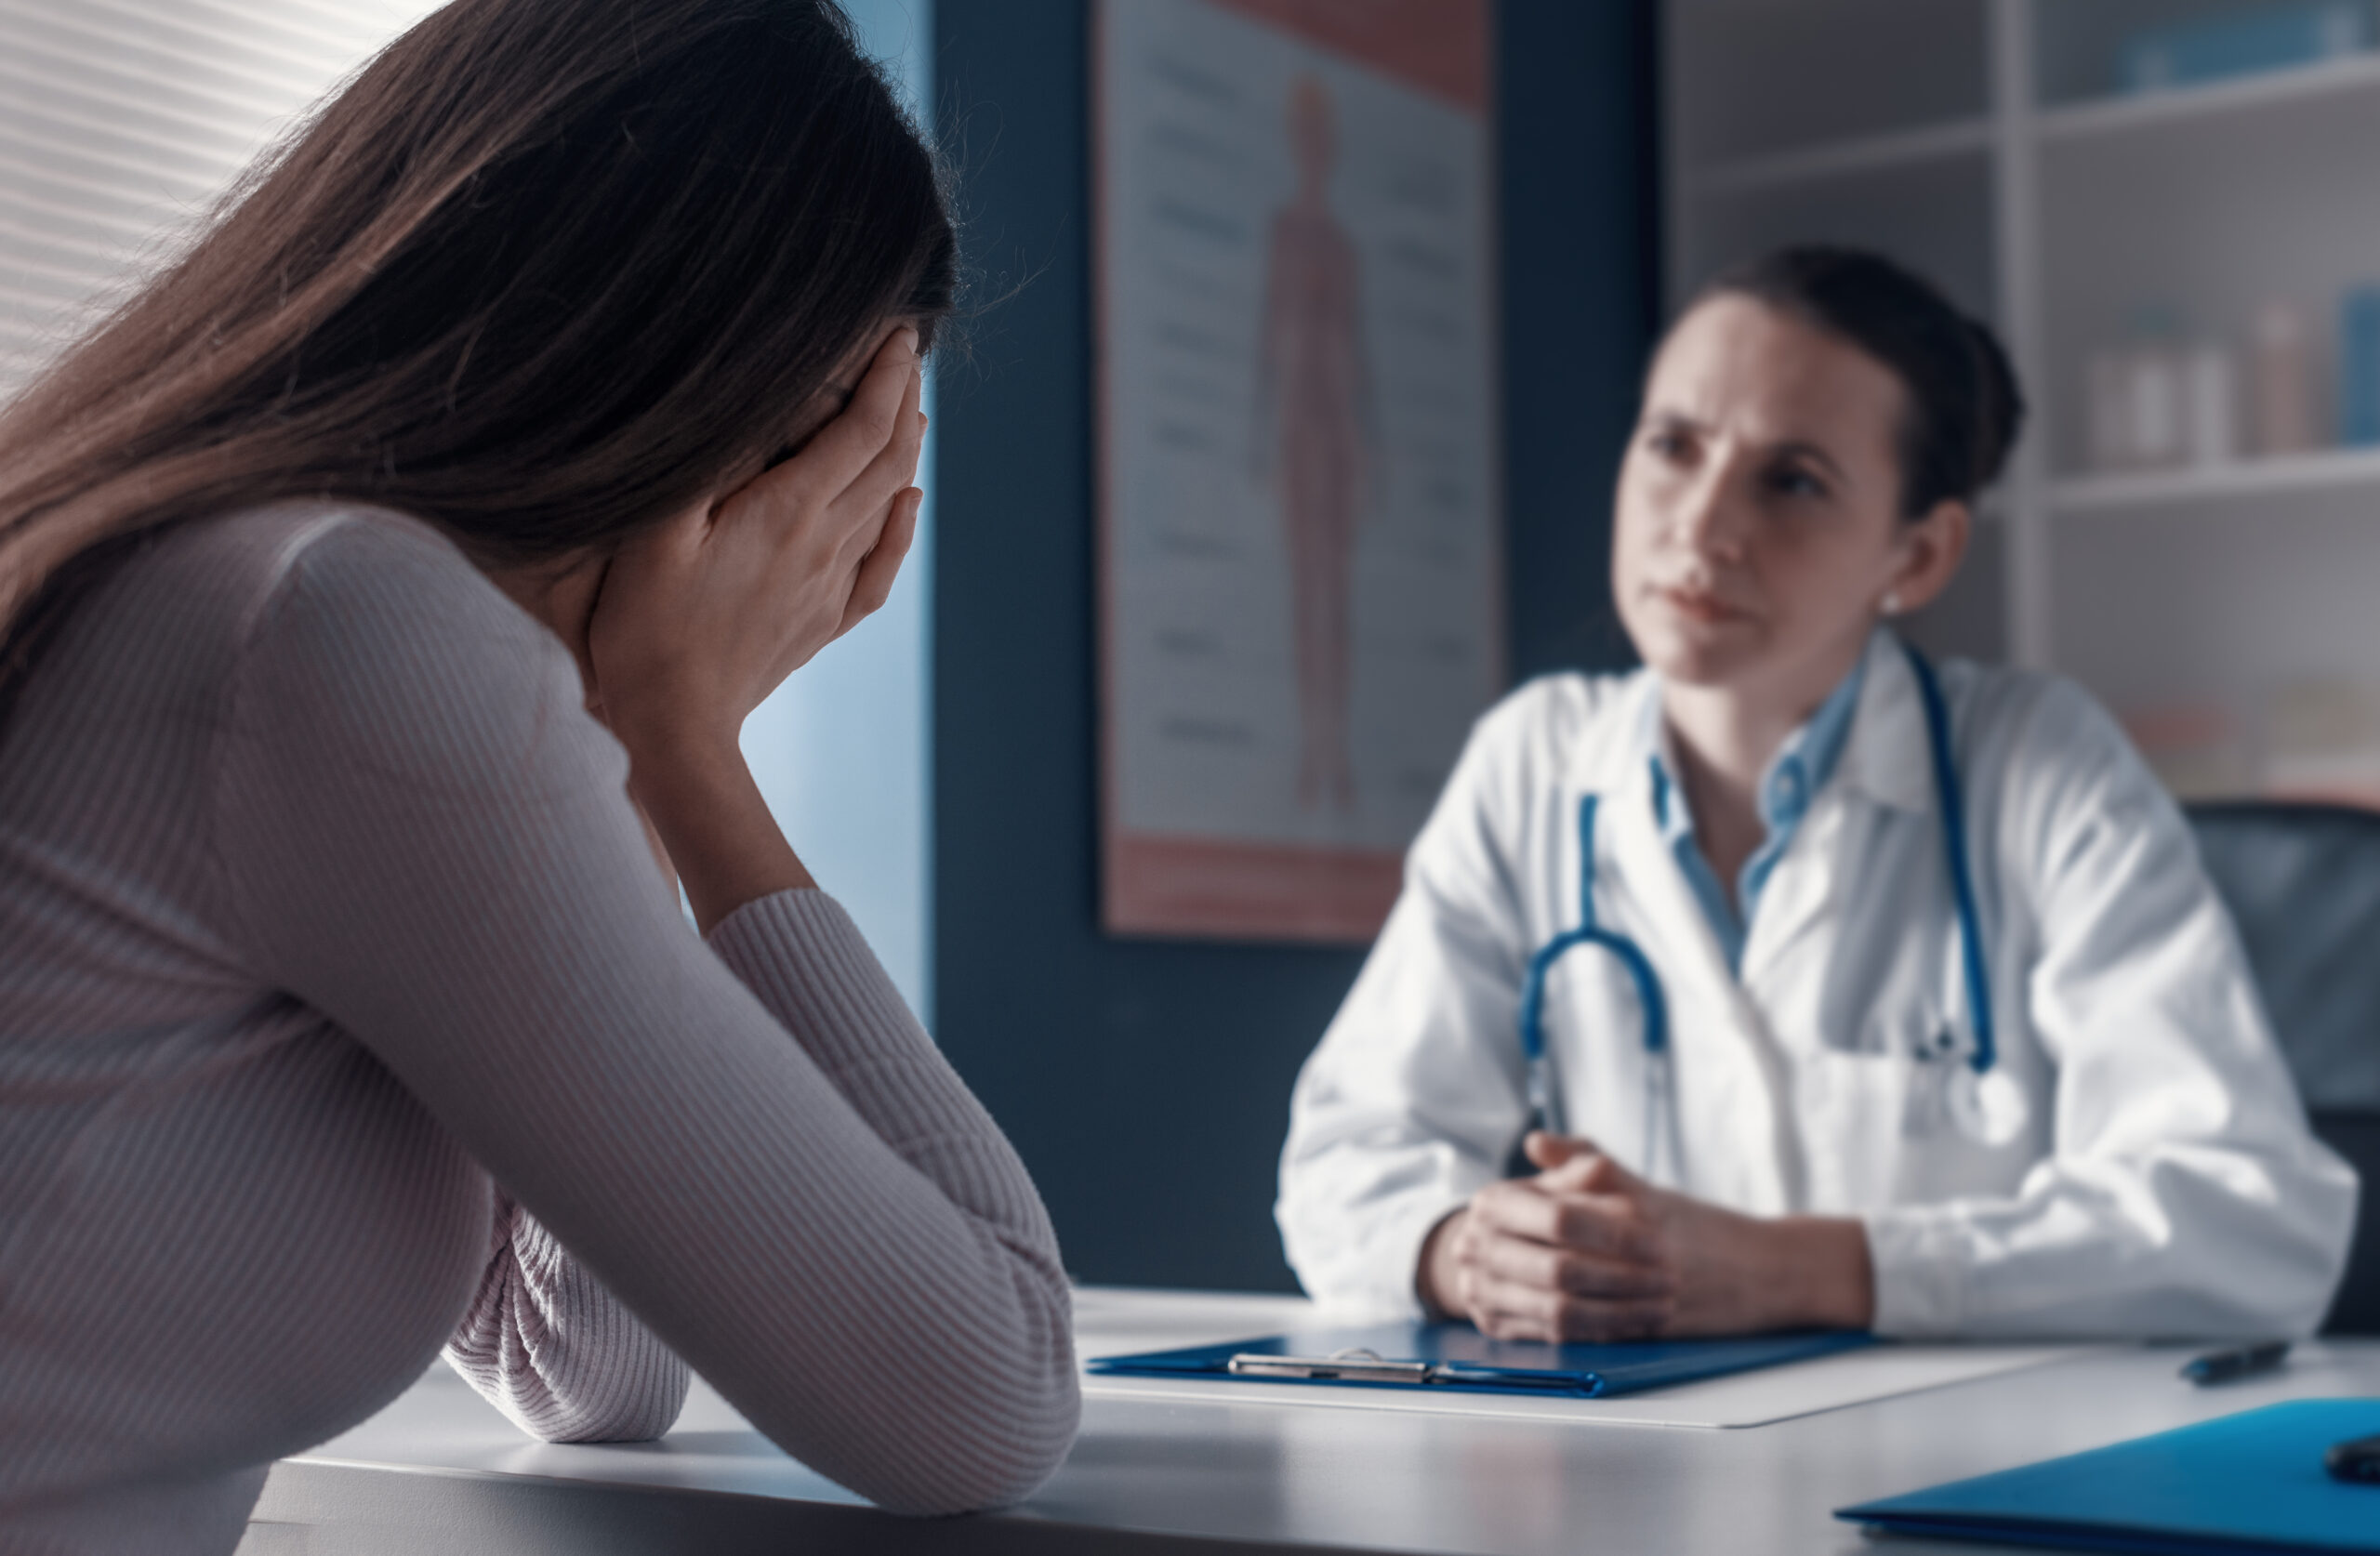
column 1813, row 904
column 1883, row 761
column 1801, row 901
column 1886, row 757
column 1726, row 1072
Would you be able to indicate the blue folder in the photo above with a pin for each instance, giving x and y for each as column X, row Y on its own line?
column 2253, row 1482
column 1457, row 1356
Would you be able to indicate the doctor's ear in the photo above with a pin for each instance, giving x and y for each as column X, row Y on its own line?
column 1929, row 550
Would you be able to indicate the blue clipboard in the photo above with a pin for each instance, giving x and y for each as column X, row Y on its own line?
column 1457, row 1356
column 2252, row 1483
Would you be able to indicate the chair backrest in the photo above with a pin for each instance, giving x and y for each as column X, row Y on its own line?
column 2302, row 884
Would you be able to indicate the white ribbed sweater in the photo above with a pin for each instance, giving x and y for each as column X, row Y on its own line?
column 322, row 911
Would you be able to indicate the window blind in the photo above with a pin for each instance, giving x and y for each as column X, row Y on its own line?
column 122, row 120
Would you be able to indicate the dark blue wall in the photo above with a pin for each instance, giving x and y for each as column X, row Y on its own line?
column 1147, row 1083
column 1577, row 126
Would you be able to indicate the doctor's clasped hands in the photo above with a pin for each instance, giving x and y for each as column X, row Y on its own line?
column 1586, row 1250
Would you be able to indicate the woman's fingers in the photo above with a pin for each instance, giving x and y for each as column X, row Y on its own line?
column 822, row 511
column 848, row 444
column 850, row 526
column 702, row 615
column 896, row 464
column 872, row 584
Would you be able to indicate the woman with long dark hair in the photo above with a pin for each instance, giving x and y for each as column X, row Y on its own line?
column 382, row 592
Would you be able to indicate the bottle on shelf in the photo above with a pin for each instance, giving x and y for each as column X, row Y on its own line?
column 2214, row 397
column 2284, row 392
column 2162, row 400
column 2108, row 407
column 2359, row 367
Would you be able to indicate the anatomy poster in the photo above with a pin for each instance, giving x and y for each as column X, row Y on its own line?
column 1301, row 535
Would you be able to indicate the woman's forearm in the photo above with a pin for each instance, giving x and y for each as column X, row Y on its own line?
column 701, row 798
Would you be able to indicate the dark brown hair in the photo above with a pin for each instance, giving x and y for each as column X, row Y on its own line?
column 1965, row 408
column 543, row 273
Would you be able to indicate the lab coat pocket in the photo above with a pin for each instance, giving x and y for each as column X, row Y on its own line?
column 1861, row 1110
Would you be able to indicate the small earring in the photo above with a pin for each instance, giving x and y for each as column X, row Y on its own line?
column 1891, row 605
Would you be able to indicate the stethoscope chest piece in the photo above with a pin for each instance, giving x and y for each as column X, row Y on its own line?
column 1987, row 1107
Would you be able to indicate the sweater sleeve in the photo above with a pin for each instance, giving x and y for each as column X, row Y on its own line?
column 807, row 962
column 555, row 1352
column 426, row 838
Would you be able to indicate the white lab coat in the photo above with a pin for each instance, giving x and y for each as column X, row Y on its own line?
column 2156, row 1175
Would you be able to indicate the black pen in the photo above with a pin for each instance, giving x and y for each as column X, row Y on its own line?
column 2238, row 1361
column 2357, row 1460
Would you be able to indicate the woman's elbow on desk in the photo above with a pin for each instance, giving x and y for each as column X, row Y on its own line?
column 988, row 1442
column 562, row 1358
column 1022, row 1420
column 637, row 1411
column 941, row 1487
column 965, row 1398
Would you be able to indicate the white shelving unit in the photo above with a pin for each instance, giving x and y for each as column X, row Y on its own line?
column 2177, row 492
column 2211, row 102
column 2230, row 611
column 1873, row 154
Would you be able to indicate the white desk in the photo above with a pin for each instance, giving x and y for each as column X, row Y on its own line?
column 440, row 1472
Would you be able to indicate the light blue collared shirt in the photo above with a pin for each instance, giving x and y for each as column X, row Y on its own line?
column 1794, row 776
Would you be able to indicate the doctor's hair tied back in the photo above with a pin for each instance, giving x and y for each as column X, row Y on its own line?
column 1965, row 406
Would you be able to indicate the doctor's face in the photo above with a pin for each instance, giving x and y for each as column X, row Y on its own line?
column 1759, row 521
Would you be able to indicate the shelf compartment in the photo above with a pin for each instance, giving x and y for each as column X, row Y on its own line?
column 1752, row 77
column 1934, row 216
column 2279, row 476
column 2163, row 613
column 2191, row 233
column 1844, row 158
column 2118, row 115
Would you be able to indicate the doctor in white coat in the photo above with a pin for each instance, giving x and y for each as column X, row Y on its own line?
column 1834, row 1026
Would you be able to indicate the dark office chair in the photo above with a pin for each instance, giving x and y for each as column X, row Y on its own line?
column 2303, row 881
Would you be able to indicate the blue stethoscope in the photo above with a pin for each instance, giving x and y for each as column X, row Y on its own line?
column 1545, row 1100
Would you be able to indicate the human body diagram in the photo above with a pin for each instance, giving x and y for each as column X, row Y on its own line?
column 1315, row 439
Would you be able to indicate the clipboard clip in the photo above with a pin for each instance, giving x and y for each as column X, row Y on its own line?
column 1358, row 1366
column 1362, row 1365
